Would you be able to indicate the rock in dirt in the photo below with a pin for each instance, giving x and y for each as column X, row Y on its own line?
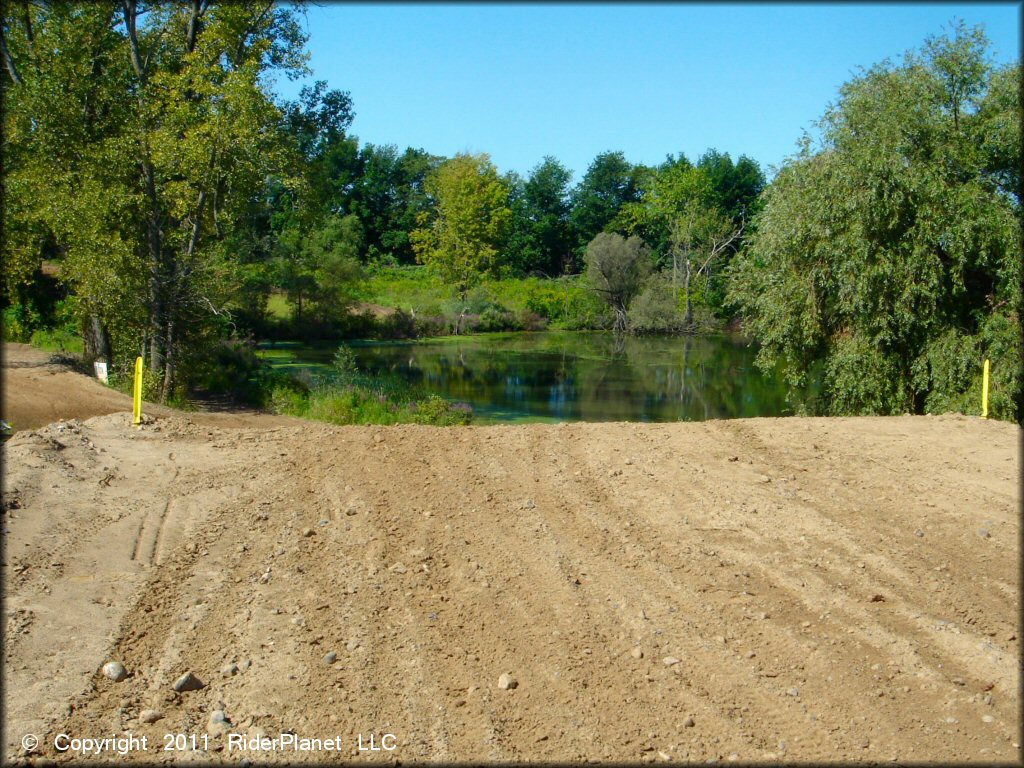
column 506, row 682
column 150, row 715
column 330, row 657
column 229, row 670
column 637, row 653
column 188, row 682
column 688, row 723
column 670, row 661
column 115, row 671
column 218, row 723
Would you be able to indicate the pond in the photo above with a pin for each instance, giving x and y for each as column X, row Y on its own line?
column 566, row 376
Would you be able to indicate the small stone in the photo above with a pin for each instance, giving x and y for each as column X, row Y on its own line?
column 987, row 719
column 919, row 533
column 330, row 657
column 398, row 568
column 351, row 645
column 229, row 670
column 188, row 682
column 751, row 654
column 805, row 624
column 670, row 661
column 218, row 723
column 528, row 504
column 506, row 682
column 307, row 532
column 984, row 533
column 793, row 692
column 246, row 663
column 637, row 653
column 115, row 671
column 150, row 715
column 764, row 479
column 688, row 723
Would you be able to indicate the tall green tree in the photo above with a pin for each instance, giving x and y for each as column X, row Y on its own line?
column 737, row 186
column 545, row 232
column 471, row 223
column 609, row 183
column 889, row 259
column 141, row 133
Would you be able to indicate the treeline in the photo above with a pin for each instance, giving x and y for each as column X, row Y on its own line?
column 148, row 163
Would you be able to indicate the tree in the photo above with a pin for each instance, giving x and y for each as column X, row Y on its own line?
column 700, row 236
column 547, row 236
column 609, row 183
column 890, row 258
column 616, row 270
column 736, row 186
column 680, row 216
column 142, row 132
column 471, row 222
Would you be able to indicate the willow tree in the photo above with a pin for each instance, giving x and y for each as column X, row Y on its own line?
column 138, row 133
column 888, row 261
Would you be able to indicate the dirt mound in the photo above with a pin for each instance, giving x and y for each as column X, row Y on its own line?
column 39, row 390
column 769, row 589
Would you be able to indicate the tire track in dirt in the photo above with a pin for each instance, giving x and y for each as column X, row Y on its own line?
column 430, row 561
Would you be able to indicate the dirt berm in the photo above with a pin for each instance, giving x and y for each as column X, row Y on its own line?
column 753, row 590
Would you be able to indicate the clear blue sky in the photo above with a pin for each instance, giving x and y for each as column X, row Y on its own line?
column 571, row 80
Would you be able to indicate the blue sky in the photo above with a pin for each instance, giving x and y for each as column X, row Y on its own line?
column 571, row 80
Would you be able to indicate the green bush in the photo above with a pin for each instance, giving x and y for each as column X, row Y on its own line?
column 347, row 395
column 19, row 322
column 655, row 309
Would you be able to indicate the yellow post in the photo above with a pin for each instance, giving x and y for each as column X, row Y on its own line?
column 137, row 399
column 984, row 392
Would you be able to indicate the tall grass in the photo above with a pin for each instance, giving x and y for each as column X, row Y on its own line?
column 347, row 395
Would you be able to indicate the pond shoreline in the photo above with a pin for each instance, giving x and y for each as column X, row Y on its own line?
column 550, row 376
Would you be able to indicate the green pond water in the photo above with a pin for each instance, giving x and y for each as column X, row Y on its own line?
column 564, row 376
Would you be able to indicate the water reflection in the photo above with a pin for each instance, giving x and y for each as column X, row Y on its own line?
column 561, row 376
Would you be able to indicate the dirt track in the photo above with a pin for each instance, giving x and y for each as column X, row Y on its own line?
column 773, row 589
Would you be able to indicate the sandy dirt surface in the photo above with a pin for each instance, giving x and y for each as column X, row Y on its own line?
column 751, row 590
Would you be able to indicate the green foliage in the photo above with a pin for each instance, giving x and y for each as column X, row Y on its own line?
column 543, row 237
column 350, row 396
column 609, row 183
column 656, row 308
column 472, row 221
column 20, row 321
column 892, row 256
column 616, row 269
column 137, row 137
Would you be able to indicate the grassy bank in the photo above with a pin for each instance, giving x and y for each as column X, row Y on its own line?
column 346, row 395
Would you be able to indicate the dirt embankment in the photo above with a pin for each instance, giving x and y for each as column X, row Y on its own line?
column 768, row 589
